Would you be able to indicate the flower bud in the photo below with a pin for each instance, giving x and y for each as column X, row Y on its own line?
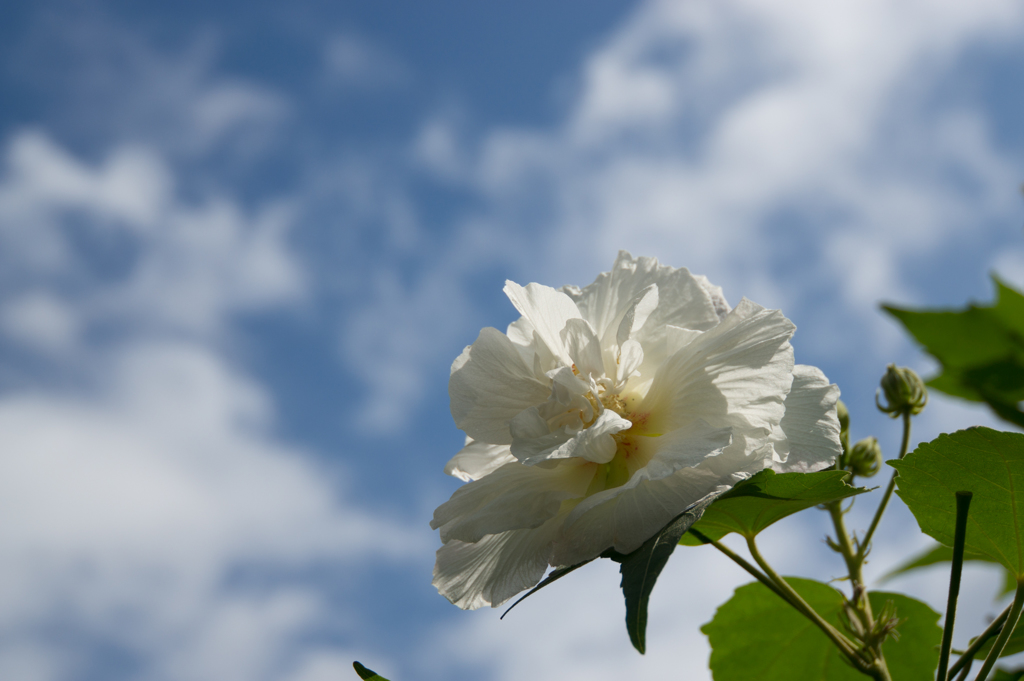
column 904, row 391
column 865, row 458
column 844, row 425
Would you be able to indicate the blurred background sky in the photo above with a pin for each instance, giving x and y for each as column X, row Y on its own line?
column 242, row 242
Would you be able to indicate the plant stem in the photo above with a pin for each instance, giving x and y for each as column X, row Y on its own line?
column 963, row 503
column 862, row 549
column 1004, row 635
column 966, row 671
column 844, row 644
column 845, row 547
column 854, row 563
column 993, row 629
column 739, row 560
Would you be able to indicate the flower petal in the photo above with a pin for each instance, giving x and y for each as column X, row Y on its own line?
column 808, row 436
column 631, row 357
column 492, row 570
column 685, row 447
column 548, row 311
column 583, row 347
column 682, row 301
column 513, row 497
column 625, row 517
column 716, row 294
column 478, row 459
column 736, row 374
column 490, row 383
column 655, row 354
column 594, row 443
column 535, row 353
column 637, row 313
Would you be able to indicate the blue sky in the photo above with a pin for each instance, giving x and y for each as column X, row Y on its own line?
column 241, row 243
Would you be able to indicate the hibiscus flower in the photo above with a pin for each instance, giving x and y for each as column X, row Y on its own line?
column 604, row 412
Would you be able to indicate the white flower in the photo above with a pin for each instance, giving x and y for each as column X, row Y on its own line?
column 603, row 413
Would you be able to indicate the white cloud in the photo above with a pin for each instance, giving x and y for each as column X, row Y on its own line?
column 797, row 153
column 113, row 83
column 40, row 320
column 142, row 491
column 135, row 505
column 699, row 129
column 354, row 60
column 184, row 266
column 390, row 343
column 438, row 148
column 327, row 665
column 218, row 110
column 131, row 188
column 698, row 122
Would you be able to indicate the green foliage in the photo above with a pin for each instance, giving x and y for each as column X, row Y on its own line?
column 987, row 462
column 768, row 497
column 1007, row 675
column 367, row 674
column 981, row 350
column 757, row 635
column 944, row 554
column 640, row 570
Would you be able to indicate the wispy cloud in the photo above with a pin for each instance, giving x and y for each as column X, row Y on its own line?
column 108, row 81
column 802, row 155
column 137, row 503
column 148, row 477
column 180, row 266
column 353, row 60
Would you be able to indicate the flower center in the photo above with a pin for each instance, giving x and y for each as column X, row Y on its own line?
column 632, row 446
column 614, row 402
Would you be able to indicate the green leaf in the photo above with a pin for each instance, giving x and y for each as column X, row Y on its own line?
column 944, row 554
column 367, row 674
column 980, row 348
column 1007, row 675
column 915, row 655
column 640, row 569
column 764, row 499
column 757, row 635
column 987, row 462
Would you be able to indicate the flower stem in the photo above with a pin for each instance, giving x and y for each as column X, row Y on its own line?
column 739, row 560
column 993, row 629
column 1004, row 635
column 860, row 600
column 844, row 644
column 963, row 503
column 854, row 563
column 862, row 550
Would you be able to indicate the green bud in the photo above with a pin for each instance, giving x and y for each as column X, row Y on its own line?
column 904, row 391
column 844, row 416
column 844, row 425
column 865, row 458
